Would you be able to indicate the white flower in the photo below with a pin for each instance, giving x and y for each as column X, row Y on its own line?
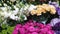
column 14, row 17
column 49, row 2
column 25, row 18
column 54, row 2
column 6, row 15
column 26, row 7
column 12, row 0
column 3, row 8
column 32, row 7
column 5, row 4
column 21, row 9
column 6, row 12
column 15, row 11
column 0, row 4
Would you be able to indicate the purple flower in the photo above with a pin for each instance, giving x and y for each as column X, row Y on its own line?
column 58, row 10
column 54, row 4
column 57, row 32
column 54, row 21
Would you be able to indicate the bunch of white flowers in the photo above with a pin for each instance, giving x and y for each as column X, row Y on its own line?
column 16, row 14
column 19, row 13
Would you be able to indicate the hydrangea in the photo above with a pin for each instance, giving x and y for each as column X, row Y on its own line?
column 54, row 21
column 32, row 27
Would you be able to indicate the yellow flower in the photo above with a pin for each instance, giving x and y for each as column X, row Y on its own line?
column 33, row 12
column 53, row 9
column 43, row 9
column 38, row 12
column 46, row 7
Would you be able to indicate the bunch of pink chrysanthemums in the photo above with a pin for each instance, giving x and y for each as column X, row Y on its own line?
column 32, row 27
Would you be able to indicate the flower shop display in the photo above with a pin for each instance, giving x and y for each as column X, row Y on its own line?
column 29, row 17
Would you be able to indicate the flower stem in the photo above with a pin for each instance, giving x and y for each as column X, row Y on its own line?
column 59, row 2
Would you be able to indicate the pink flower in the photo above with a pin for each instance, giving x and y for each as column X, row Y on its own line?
column 34, row 33
column 22, row 31
column 48, row 26
column 16, row 29
column 32, row 27
column 50, row 32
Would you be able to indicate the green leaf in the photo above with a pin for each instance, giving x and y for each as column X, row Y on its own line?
column 1, row 20
column 4, row 25
column 0, row 33
column 10, row 29
column 4, row 32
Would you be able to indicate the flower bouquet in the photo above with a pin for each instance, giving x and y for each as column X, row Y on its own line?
column 29, row 17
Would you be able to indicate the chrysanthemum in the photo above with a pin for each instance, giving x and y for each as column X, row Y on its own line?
column 32, row 27
column 42, row 9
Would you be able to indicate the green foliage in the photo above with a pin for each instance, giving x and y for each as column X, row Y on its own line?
column 4, row 32
column 4, row 25
column 59, row 2
column 7, row 30
column 10, row 29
